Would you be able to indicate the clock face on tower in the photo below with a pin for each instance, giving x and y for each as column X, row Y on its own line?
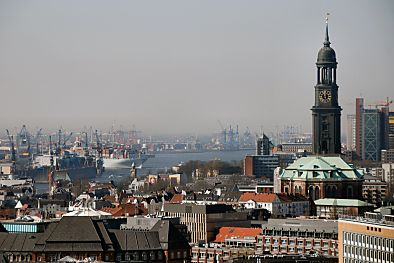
column 325, row 96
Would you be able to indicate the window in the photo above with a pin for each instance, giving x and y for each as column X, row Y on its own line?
column 159, row 255
column 152, row 255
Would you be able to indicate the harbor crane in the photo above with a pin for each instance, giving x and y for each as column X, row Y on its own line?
column 99, row 146
column 13, row 152
column 66, row 139
column 23, row 139
column 37, row 139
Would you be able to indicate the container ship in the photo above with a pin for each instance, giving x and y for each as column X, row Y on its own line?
column 123, row 157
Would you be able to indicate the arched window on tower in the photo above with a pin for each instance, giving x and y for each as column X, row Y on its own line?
column 311, row 192
column 317, row 193
column 349, row 191
column 334, row 191
column 328, row 192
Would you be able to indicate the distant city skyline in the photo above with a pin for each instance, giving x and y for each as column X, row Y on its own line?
column 178, row 67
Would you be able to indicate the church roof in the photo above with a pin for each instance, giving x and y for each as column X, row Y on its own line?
column 321, row 168
column 326, row 53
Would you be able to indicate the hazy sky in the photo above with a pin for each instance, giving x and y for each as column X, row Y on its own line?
column 179, row 66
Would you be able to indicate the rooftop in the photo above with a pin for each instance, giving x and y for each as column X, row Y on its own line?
column 341, row 202
column 321, row 168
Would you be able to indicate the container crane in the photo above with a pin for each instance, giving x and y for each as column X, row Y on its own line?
column 99, row 161
column 66, row 139
column 37, row 138
column 99, row 146
column 13, row 153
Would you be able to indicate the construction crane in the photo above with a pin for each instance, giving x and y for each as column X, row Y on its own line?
column 13, row 152
column 37, row 138
column 99, row 146
column 223, row 132
column 382, row 103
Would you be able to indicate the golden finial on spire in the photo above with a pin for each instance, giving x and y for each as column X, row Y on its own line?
column 327, row 17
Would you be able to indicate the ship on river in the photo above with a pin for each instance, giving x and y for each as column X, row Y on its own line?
column 121, row 157
column 77, row 167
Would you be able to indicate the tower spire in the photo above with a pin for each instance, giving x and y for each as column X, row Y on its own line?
column 327, row 39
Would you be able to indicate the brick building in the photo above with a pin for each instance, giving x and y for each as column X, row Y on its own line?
column 310, row 236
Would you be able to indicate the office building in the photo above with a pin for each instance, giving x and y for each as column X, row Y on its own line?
column 260, row 166
column 368, row 239
column 391, row 131
column 351, row 132
column 298, row 236
column 359, row 125
column 372, row 130
column 203, row 221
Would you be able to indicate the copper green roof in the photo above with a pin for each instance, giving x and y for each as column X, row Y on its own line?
column 321, row 168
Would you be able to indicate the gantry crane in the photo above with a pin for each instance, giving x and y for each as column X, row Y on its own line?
column 13, row 152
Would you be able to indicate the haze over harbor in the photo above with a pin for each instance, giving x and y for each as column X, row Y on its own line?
column 170, row 67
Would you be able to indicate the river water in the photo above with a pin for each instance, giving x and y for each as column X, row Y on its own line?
column 163, row 162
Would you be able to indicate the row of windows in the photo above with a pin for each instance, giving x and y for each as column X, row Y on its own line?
column 19, row 258
column 369, row 254
column 374, row 228
column 366, row 240
column 299, row 242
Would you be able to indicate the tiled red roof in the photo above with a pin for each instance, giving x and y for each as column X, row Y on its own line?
column 237, row 232
column 262, row 198
column 177, row 198
column 126, row 210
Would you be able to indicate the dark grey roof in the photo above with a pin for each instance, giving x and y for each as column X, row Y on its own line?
column 326, row 53
column 104, row 235
column 197, row 209
column 170, row 237
column 75, row 246
column 230, row 196
column 74, row 229
column 131, row 240
column 75, row 234
column 21, row 242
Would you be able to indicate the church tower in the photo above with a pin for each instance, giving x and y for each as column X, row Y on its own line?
column 326, row 113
